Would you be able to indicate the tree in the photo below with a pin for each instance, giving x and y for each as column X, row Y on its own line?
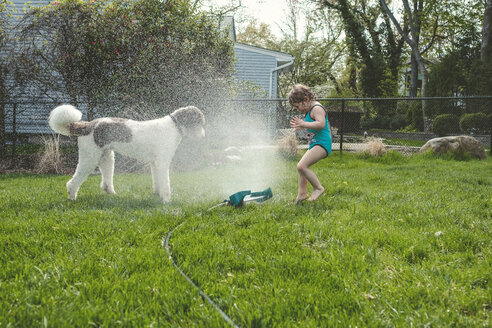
column 413, row 40
column 60, row 51
column 459, row 70
column 5, row 37
column 318, row 50
column 257, row 34
column 375, row 53
column 140, row 54
column 370, row 41
column 486, row 48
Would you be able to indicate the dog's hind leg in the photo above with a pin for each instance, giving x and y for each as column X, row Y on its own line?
column 88, row 160
column 106, row 166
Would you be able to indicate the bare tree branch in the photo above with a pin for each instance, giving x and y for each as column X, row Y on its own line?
column 434, row 36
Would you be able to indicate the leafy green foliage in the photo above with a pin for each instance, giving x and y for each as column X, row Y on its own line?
column 459, row 71
column 394, row 241
column 445, row 124
column 474, row 123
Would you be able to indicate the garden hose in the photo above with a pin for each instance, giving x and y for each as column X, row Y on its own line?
column 237, row 200
column 165, row 243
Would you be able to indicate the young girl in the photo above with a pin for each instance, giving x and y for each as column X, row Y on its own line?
column 319, row 138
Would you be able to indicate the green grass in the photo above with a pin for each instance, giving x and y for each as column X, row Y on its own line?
column 394, row 241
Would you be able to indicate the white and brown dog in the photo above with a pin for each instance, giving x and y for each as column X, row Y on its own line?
column 153, row 141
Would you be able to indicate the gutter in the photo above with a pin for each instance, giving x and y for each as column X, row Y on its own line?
column 275, row 70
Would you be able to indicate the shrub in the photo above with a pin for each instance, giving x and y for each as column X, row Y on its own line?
column 374, row 147
column 477, row 123
column 415, row 116
column 378, row 122
column 398, row 122
column 445, row 124
column 287, row 145
column 50, row 161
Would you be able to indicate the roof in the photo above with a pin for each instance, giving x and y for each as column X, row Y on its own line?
column 281, row 57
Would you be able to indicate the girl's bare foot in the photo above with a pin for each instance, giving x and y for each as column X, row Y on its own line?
column 301, row 198
column 316, row 193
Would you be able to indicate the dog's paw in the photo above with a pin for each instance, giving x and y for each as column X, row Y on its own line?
column 72, row 192
column 165, row 199
column 108, row 189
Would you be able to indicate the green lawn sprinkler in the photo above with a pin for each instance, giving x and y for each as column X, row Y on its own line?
column 242, row 197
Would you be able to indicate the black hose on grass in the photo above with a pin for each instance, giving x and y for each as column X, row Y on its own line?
column 202, row 294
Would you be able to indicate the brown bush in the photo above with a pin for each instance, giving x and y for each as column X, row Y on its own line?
column 287, row 145
column 374, row 147
column 50, row 161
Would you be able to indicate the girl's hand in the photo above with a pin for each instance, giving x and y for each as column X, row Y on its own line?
column 296, row 123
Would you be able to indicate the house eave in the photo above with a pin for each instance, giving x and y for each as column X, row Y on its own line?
column 281, row 57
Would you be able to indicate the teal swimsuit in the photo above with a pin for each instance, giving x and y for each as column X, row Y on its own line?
column 319, row 137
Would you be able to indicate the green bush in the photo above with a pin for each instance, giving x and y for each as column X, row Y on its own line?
column 489, row 120
column 378, row 122
column 476, row 123
column 398, row 122
column 445, row 124
column 415, row 116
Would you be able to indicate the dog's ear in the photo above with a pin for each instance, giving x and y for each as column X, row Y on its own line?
column 189, row 117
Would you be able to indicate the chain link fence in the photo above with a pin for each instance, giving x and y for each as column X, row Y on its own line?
column 404, row 124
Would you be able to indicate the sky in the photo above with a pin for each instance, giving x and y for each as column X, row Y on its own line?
column 271, row 12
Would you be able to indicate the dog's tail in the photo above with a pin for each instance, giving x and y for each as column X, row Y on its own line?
column 61, row 118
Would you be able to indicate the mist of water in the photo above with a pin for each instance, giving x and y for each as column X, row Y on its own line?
column 238, row 152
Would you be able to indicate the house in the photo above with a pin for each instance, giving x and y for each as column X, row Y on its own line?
column 261, row 66
column 257, row 67
column 256, row 72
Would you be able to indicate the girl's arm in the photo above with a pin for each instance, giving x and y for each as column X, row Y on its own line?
column 317, row 114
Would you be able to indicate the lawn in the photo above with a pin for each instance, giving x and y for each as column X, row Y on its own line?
column 394, row 241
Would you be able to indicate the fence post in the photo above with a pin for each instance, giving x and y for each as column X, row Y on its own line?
column 341, row 125
column 14, row 135
column 3, row 130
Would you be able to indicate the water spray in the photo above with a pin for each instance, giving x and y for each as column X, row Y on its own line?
column 246, row 196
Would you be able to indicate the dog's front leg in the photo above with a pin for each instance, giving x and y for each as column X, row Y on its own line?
column 160, row 176
column 155, row 181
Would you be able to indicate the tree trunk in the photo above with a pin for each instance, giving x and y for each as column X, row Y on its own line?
column 3, row 139
column 486, row 49
column 427, row 121
column 486, row 53
column 414, row 76
column 413, row 42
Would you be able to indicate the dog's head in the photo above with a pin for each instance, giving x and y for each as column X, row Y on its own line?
column 190, row 120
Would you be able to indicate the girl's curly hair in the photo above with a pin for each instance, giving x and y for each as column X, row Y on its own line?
column 299, row 92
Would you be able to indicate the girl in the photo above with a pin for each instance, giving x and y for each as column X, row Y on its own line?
column 319, row 138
